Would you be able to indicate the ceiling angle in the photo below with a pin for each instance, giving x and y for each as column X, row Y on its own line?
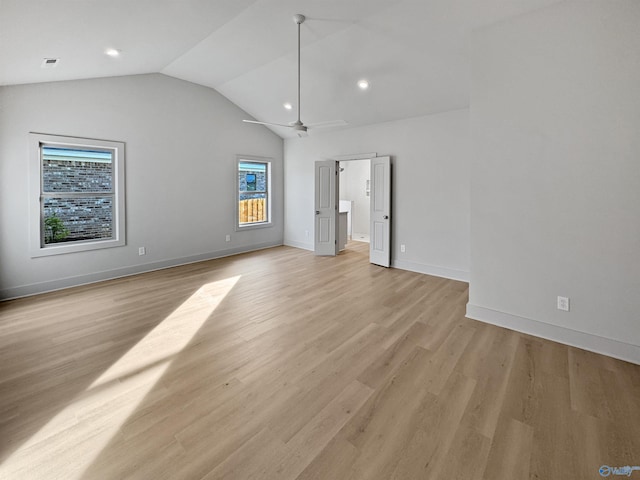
column 300, row 128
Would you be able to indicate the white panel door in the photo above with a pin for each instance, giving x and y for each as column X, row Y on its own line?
column 380, row 231
column 326, row 208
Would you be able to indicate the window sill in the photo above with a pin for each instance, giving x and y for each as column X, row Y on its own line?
column 60, row 249
column 253, row 226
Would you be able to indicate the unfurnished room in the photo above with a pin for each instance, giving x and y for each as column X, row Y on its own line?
column 311, row 239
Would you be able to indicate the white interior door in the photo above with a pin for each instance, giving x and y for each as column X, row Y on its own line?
column 326, row 208
column 380, row 220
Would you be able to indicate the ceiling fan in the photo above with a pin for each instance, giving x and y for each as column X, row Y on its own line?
column 299, row 127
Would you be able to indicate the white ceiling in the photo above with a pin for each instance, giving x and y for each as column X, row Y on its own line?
column 413, row 52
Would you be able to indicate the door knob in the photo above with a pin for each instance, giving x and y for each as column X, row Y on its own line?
column 386, row 217
column 317, row 212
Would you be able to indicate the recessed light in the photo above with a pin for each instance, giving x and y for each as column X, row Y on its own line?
column 363, row 84
column 288, row 106
column 112, row 52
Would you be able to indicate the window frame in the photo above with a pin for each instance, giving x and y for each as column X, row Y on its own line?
column 37, row 195
column 252, row 159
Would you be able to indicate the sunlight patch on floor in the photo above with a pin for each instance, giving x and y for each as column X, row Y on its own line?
column 74, row 438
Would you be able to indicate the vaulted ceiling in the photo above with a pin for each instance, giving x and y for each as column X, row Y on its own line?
column 414, row 53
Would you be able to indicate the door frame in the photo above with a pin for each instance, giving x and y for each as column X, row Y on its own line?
column 365, row 156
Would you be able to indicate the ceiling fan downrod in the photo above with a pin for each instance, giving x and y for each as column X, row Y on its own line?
column 298, row 18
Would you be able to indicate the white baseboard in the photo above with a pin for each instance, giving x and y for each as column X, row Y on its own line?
column 303, row 246
column 434, row 270
column 452, row 274
column 586, row 341
column 59, row 284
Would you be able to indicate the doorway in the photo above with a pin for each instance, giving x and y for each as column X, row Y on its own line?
column 331, row 226
column 355, row 195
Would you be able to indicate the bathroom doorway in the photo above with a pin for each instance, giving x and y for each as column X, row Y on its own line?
column 337, row 222
column 355, row 196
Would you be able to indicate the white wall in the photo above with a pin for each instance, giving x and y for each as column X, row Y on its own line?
column 181, row 141
column 555, row 189
column 352, row 187
column 430, row 180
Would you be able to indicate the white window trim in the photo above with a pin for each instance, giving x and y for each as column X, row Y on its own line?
column 252, row 226
column 37, row 247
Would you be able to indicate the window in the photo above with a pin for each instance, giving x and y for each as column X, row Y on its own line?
column 77, row 189
column 253, row 192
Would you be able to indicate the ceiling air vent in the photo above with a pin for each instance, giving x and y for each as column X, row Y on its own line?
column 50, row 62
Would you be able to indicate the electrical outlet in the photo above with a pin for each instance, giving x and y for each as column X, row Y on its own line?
column 142, row 251
column 306, row 233
column 563, row 304
column 228, row 238
column 402, row 248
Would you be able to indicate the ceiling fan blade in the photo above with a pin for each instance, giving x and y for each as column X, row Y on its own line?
column 267, row 123
column 328, row 124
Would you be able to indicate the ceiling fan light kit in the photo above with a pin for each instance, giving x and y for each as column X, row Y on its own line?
column 300, row 128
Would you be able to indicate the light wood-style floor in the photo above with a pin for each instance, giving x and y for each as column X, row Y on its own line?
column 281, row 365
